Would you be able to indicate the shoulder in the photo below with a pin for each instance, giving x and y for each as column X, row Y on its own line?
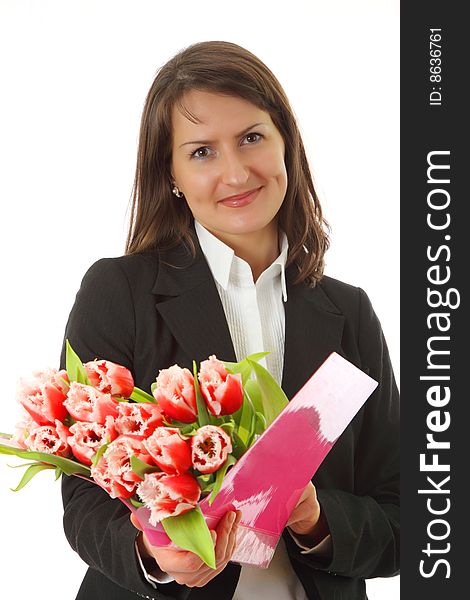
column 350, row 300
column 339, row 290
column 133, row 270
column 345, row 296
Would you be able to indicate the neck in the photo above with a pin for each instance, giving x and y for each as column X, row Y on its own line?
column 259, row 249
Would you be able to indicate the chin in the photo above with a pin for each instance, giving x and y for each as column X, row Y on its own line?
column 244, row 226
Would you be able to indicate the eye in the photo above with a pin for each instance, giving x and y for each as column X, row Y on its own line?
column 202, row 152
column 253, row 137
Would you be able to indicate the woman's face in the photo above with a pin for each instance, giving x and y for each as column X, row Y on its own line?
column 233, row 150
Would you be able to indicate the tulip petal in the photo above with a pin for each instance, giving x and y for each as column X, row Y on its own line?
column 210, row 448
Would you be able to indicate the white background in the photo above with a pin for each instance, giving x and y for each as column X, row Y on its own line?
column 74, row 77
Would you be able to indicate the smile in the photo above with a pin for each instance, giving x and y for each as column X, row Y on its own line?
column 240, row 200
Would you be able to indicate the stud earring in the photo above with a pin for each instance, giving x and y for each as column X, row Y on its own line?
column 176, row 192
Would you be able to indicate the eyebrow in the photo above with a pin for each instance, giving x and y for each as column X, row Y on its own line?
column 207, row 142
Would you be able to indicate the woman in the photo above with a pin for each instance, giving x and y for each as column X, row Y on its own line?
column 225, row 256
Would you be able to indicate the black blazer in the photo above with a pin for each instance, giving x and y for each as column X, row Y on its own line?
column 150, row 311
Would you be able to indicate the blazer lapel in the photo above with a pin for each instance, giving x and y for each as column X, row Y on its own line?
column 188, row 301
column 314, row 327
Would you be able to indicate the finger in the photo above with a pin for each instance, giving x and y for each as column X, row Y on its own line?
column 223, row 532
column 177, row 561
column 206, row 576
column 205, row 570
column 231, row 543
column 307, row 491
column 196, row 579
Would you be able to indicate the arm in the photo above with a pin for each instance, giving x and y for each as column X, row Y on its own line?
column 364, row 525
column 101, row 325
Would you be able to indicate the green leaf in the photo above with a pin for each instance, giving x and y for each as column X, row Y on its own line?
column 244, row 366
column 188, row 430
column 236, row 367
column 238, row 447
column 139, row 395
column 245, row 426
column 30, row 472
column 153, row 386
column 183, row 427
column 68, row 466
column 69, row 421
column 136, row 503
column 22, row 465
column 141, row 468
column 228, row 426
column 273, row 397
column 203, row 416
column 253, row 390
column 219, row 476
column 190, row 532
column 6, row 436
column 208, row 488
column 99, row 454
column 58, row 473
column 74, row 366
column 206, row 481
column 261, row 424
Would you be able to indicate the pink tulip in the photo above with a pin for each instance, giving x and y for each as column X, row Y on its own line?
column 222, row 391
column 51, row 439
column 86, row 403
column 175, row 394
column 138, row 418
column 210, row 447
column 43, row 394
column 113, row 470
column 169, row 450
column 110, row 378
column 23, row 428
column 168, row 495
column 87, row 438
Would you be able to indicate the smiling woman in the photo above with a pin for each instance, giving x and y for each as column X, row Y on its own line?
column 218, row 123
column 225, row 256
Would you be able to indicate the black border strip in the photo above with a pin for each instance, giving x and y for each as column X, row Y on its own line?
column 434, row 259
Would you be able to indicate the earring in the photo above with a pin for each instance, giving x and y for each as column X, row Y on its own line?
column 176, row 192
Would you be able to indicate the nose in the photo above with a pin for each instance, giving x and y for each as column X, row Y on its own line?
column 233, row 169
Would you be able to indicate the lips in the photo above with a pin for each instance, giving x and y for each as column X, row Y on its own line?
column 240, row 199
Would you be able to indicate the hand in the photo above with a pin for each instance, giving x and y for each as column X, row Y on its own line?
column 307, row 520
column 187, row 568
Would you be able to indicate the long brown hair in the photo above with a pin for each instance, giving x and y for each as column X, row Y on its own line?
column 157, row 221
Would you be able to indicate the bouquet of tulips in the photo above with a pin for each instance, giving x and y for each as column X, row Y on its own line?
column 165, row 450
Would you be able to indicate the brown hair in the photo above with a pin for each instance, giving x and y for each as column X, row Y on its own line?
column 157, row 221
